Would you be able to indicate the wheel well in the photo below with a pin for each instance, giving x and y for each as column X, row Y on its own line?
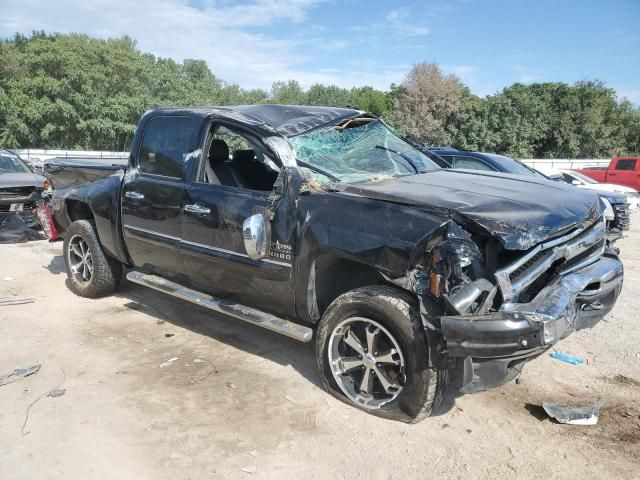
column 335, row 276
column 78, row 210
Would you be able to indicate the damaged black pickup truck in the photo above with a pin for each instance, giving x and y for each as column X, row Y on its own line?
column 322, row 221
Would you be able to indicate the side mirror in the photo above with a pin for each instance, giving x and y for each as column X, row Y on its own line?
column 575, row 182
column 256, row 231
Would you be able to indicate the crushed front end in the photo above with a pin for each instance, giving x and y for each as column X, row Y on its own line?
column 504, row 310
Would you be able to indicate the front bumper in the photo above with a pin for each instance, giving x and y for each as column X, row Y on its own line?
column 490, row 350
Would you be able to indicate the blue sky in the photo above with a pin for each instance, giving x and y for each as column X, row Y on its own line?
column 489, row 44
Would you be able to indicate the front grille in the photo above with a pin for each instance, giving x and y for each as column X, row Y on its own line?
column 558, row 267
column 578, row 259
column 528, row 264
column 523, row 279
column 15, row 192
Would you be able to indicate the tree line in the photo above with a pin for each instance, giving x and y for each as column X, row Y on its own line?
column 76, row 92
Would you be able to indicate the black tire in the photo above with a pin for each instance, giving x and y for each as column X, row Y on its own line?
column 107, row 272
column 398, row 313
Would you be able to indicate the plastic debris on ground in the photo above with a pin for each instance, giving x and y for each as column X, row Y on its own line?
column 19, row 373
column 168, row 363
column 569, row 415
column 56, row 392
column 565, row 357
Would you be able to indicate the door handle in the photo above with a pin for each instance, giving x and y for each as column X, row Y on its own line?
column 134, row 195
column 198, row 209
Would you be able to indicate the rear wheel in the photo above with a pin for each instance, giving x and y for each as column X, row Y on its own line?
column 372, row 351
column 90, row 271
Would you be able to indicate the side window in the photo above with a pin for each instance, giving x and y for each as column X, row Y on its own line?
column 447, row 159
column 626, row 164
column 470, row 163
column 236, row 159
column 164, row 145
column 567, row 178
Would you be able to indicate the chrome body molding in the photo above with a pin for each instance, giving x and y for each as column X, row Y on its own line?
column 228, row 307
column 179, row 241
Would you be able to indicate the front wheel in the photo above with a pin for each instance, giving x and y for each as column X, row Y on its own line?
column 90, row 271
column 372, row 352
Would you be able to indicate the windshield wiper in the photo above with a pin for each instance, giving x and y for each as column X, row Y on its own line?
column 319, row 170
column 407, row 159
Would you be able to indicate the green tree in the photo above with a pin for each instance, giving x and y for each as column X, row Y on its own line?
column 287, row 93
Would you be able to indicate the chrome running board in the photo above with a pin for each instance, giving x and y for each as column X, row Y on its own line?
column 228, row 307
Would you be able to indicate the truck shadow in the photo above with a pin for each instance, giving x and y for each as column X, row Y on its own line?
column 231, row 331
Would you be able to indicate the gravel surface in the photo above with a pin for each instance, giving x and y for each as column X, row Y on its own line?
column 146, row 386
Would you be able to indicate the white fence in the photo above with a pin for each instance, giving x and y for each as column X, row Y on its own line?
column 39, row 156
column 548, row 164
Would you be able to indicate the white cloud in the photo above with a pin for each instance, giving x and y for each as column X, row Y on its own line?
column 227, row 36
column 404, row 25
column 398, row 23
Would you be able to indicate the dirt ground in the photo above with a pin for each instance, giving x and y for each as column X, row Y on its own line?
column 241, row 402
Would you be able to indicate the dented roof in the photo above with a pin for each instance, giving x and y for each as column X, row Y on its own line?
column 287, row 120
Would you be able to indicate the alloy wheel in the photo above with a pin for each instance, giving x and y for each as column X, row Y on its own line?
column 80, row 259
column 366, row 362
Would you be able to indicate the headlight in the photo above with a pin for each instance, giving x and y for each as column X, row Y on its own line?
column 609, row 214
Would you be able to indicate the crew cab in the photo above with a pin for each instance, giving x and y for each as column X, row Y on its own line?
column 620, row 171
column 322, row 222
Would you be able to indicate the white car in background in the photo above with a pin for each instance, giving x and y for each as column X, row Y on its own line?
column 582, row 181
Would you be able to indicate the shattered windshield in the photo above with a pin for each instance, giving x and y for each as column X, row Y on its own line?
column 359, row 149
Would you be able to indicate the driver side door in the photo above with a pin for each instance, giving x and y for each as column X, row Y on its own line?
column 216, row 206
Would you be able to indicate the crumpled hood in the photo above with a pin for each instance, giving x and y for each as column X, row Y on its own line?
column 521, row 211
column 11, row 180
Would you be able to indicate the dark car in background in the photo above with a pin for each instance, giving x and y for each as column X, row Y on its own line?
column 616, row 206
column 490, row 162
column 20, row 193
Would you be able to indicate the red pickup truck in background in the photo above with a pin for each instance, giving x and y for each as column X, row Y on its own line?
column 621, row 171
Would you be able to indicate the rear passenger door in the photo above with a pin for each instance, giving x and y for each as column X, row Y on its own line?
column 624, row 172
column 153, row 194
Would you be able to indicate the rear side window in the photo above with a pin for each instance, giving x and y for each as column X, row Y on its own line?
column 164, row 145
column 626, row 164
column 470, row 163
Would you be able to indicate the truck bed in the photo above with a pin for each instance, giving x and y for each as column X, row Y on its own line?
column 68, row 172
column 597, row 173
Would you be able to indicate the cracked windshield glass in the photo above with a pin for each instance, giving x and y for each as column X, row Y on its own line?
column 360, row 149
